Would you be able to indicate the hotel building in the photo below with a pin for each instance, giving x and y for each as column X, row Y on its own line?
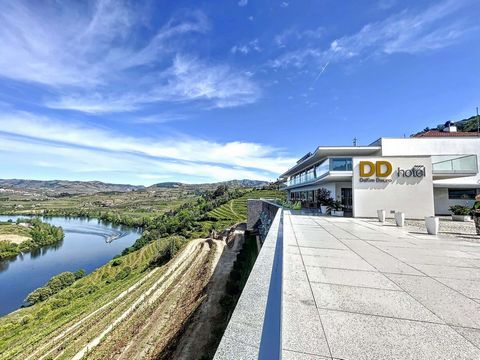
column 421, row 176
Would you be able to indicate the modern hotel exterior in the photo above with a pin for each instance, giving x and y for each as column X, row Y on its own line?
column 420, row 176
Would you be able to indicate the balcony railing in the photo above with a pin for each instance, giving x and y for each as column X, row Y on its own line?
column 454, row 164
column 320, row 170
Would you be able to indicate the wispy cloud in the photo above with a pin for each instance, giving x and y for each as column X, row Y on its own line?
column 294, row 35
column 407, row 32
column 242, row 3
column 187, row 79
column 97, row 63
column 180, row 154
column 244, row 49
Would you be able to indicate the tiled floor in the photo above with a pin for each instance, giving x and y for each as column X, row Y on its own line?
column 356, row 290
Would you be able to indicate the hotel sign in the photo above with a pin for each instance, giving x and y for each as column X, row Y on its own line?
column 381, row 170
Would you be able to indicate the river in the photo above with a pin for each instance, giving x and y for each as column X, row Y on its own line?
column 88, row 244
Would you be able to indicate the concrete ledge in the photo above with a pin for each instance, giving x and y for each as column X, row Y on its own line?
column 255, row 209
column 247, row 329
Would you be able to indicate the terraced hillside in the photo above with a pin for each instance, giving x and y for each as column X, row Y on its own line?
column 134, row 307
column 236, row 209
column 114, row 313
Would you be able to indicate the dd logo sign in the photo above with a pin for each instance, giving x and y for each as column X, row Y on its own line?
column 379, row 168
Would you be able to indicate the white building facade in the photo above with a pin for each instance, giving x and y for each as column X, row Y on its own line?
column 421, row 176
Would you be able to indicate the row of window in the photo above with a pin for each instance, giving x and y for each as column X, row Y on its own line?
column 331, row 164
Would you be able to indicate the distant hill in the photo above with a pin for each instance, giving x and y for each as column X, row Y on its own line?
column 230, row 183
column 166, row 185
column 465, row 125
column 65, row 186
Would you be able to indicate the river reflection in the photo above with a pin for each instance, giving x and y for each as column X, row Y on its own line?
column 88, row 244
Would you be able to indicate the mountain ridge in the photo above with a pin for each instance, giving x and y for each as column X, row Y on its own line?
column 90, row 187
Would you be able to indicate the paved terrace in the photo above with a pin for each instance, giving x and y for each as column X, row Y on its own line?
column 354, row 289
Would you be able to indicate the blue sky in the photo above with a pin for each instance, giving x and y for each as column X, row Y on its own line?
column 200, row 91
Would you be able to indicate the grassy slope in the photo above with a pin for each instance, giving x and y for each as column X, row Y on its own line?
column 236, row 209
column 7, row 228
column 24, row 329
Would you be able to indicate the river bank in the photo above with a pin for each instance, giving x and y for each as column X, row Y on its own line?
column 87, row 245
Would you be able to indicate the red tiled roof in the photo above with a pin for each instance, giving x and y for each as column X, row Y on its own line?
column 437, row 133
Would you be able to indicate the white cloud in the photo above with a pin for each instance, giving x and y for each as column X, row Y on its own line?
column 198, row 154
column 407, row 32
column 81, row 162
column 284, row 4
column 94, row 61
column 187, row 79
column 242, row 3
column 253, row 45
column 293, row 36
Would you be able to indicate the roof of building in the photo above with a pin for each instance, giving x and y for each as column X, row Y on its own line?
column 438, row 133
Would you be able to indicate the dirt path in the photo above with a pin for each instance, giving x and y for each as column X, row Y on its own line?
column 16, row 239
column 196, row 338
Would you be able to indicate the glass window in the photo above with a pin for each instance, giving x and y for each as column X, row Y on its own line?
column 341, row 164
column 321, row 169
column 310, row 175
column 464, row 194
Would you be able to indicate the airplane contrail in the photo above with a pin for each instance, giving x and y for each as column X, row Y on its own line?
column 320, row 73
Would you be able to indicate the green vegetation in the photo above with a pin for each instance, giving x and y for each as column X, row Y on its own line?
column 460, row 210
column 35, row 232
column 165, row 232
column 133, row 208
column 212, row 210
column 54, row 285
column 167, row 248
column 236, row 209
column 297, row 205
column 465, row 125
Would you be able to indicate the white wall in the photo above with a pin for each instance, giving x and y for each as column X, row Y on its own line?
column 413, row 196
column 436, row 146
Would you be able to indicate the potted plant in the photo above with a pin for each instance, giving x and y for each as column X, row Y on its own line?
column 460, row 213
column 324, row 199
column 476, row 213
column 336, row 208
column 433, row 224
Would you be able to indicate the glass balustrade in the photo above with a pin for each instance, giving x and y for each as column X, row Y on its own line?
column 319, row 170
column 451, row 164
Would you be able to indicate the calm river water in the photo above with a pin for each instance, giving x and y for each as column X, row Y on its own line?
column 87, row 245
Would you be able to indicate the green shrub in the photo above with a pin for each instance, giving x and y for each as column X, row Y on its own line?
column 53, row 286
column 167, row 248
column 122, row 274
column 79, row 274
column 25, row 320
column 58, row 303
column 117, row 262
column 460, row 210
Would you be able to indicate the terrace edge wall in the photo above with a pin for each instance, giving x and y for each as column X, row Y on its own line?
column 255, row 326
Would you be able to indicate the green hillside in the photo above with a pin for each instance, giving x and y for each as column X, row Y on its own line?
column 236, row 209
